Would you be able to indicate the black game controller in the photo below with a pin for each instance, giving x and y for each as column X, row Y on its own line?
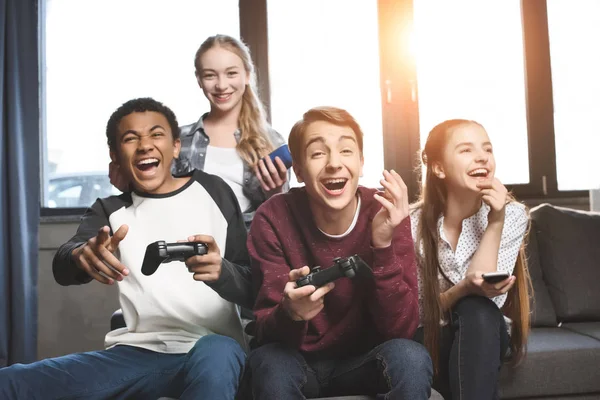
column 348, row 266
column 163, row 252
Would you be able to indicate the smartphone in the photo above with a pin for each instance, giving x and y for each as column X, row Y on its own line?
column 495, row 277
column 282, row 152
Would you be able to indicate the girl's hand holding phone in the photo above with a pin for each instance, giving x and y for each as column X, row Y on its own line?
column 271, row 170
column 477, row 285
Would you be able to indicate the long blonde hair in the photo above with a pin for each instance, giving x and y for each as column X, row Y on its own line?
column 432, row 203
column 254, row 143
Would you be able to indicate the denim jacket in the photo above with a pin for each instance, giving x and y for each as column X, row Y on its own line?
column 194, row 143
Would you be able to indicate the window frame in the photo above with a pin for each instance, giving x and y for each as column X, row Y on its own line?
column 540, row 107
column 399, row 95
column 401, row 119
column 399, row 92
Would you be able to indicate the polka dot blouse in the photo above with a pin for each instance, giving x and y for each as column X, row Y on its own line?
column 455, row 263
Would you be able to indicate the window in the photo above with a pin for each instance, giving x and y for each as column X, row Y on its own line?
column 98, row 54
column 574, row 29
column 514, row 65
column 317, row 58
column 469, row 56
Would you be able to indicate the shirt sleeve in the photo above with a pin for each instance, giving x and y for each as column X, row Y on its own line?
column 516, row 222
column 64, row 268
column 235, row 282
column 394, row 304
column 183, row 164
column 270, row 272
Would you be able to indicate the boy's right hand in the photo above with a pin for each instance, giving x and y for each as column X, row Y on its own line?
column 303, row 304
column 116, row 177
column 96, row 256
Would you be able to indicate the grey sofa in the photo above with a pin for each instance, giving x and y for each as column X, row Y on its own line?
column 563, row 359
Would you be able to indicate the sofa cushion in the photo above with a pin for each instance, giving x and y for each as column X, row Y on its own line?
column 346, row 398
column 591, row 329
column 542, row 309
column 569, row 251
column 576, row 397
column 434, row 396
column 558, row 362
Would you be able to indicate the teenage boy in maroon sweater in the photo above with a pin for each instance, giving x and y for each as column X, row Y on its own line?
column 350, row 336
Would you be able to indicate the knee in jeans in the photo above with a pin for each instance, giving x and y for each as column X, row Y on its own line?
column 13, row 380
column 272, row 358
column 223, row 351
column 479, row 310
column 217, row 343
column 408, row 352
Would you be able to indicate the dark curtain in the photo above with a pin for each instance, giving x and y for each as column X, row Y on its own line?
column 19, row 180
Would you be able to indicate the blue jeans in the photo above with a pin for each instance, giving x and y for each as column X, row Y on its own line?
column 472, row 348
column 396, row 369
column 210, row 370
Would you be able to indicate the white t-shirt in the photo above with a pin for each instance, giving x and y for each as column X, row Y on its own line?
column 350, row 228
column 226, row 163
column 169, row 311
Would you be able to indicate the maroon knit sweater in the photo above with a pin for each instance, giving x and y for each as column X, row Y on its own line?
column 358, row 314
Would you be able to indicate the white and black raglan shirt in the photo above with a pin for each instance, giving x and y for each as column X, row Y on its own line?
column 169, row 311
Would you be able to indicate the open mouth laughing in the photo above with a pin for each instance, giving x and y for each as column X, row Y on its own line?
column 334, row 186
column 479, row 173
column 147, row 164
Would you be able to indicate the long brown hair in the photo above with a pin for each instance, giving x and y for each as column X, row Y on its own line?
column 254, row 143
column 432, row 203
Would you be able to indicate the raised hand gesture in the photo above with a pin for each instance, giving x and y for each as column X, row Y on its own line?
column 394, row 200
column 96, row 256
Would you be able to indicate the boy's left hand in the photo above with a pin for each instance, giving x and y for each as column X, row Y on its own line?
column 394, row 200
column 207, row 267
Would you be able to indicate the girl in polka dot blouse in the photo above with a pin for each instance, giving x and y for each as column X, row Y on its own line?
column 467, row 224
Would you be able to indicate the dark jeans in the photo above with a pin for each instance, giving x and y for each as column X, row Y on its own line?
column 211, row 370
column 396, row 369
column 472, row 348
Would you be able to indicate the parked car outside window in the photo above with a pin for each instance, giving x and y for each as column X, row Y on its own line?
column 78, row 190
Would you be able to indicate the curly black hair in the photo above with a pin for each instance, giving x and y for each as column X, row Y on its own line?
column 138, row 105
